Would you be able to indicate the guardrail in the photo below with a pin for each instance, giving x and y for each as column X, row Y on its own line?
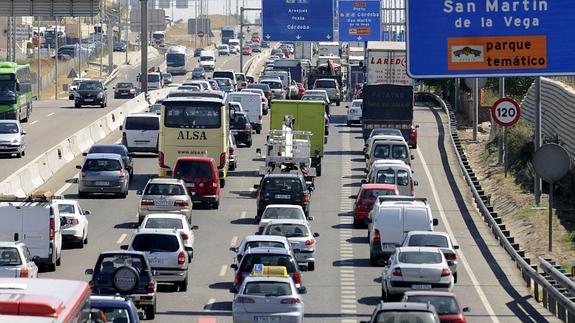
column 543, row 290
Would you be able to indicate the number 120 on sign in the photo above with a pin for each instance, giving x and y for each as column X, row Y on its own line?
column 505, row 112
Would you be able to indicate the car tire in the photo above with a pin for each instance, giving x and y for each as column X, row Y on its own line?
column 82, row 195
column 311, row 266
column 77, row 106
column 233, row 166
column 258, row 131
column 337, row 103
column 414, row 146
column 222, row 183
column 355, row 223
column 216, row 205
column 383, row 295
column 455, row 278
column 373, row 261
column 70, row 97
column 249, row 144
column 265, row 112
column 86, row 240
column 80, row 243
column 103, row 105
column 150, row 312
column 124, row 194
column 183, row 286
column 59, row 260
column 51, row 267
column 318, row 170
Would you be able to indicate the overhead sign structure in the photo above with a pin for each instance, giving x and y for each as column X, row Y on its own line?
column 359, row 20
column 505, row 112
column 489, row 38
column 297, row 20
column 50, row 8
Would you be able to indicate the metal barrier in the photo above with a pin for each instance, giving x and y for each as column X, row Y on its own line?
column 543, row 290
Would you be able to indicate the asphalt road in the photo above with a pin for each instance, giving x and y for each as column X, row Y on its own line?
column 343, row 288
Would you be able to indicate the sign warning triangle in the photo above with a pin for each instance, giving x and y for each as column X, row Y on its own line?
column 72, row 74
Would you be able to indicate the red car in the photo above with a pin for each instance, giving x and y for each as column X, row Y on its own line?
column 247, row 50
column 365, row 199
column 412, row 142
column 300, row 90
column 445, row 303
column 200, row 175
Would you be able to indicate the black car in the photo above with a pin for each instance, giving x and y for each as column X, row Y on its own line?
column 241, row 128
column 91, row 92
column 124, row 90
column 197, row 52
column 128, row 274
column 283, row 188
column 198, row 73
column 120, row 46
column 167, row 77
column 114, row 149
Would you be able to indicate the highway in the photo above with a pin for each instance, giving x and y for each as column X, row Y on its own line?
column 343, row 288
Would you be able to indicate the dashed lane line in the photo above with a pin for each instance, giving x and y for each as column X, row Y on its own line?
column 121, row 238
column 223, row 270
column 34, row 122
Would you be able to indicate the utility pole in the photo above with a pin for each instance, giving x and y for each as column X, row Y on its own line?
column 144, row 45
column 537, row 134
column 79, row 46
column 56, row 46
column 242, row 25
column 127, row 29
column 38, row 78
column 110, row 44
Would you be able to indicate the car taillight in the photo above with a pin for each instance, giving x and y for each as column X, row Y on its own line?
column 73, row 221
column 122, row 174
column 450, row 255
column 152, row 287
column 181, row 258
column 305, row 197
column 185, row 236
column 231, row 150
column 52, row 228
column 147, row 202
column 396, row 271
column 296, row 278
column 291, row 301
column 248, row 127
column 161, row 160
column 260, row 196
column 215, row 183
column 309, row 242
column 244, row 300
column 376, row 236
column 181, row 203
column 445, row 272
column 24, row 272
column 222, row 160
column 124, row 137
column 238, row 279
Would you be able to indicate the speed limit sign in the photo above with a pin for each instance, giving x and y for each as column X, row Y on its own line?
column 505, row 112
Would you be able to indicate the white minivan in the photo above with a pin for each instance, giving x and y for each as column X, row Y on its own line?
column 391, row 218
column 252, row 106
column 154, row 81
column 207, row 60
column 396, row 172
column 140, row 132
column 388, row 149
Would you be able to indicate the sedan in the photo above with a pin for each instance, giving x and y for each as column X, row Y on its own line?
column 120, row 46
column 198, row 73
column 437, row 239
column 103, row 173
column 415, row 268
column 247, row 50
column 167, row 78
column 162, row 195
column 12, row 138
column 74, row 222
column 172, row 221
column 300, row 237
column 279, row 212
column 16, row 261
column 124, row 90
column 446, row 304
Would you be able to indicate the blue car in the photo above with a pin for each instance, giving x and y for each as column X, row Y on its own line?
column 115, row 308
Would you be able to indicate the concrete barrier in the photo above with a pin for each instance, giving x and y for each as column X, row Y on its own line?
column 45, row 171
column 81, row 141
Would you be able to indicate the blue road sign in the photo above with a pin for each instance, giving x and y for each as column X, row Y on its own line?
column 479, row 38
column 297, row 20
column 359, row 20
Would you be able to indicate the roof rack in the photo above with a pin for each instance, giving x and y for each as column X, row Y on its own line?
column 36, row 196
column 395, row 198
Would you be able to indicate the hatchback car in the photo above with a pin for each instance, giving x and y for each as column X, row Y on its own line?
column 198, row 73
column 398, row 174
column 365, row 199
column 283, row 189
column 259, row 241
column 276, row 88
column 264, row 87
column 437, row 239
column 446, row 304
column 167, row 78
column 223, row 49
column 12, row 138
column 247, row 50
column 74, row 222
column 415, row 268
column 114, row 149
column 354, row 112
column 241, row 127
column 300, row 237
column 331, row 87
column 166, row 253
column 281, row 211
column 225, row 84
column 178, row 222
column 124, row 90
column 16, row 261
column 115, row 308
column 127, row 274
column 74, row 86
column 103, row 173
column 165, row 195
column 403, row 312
column 92, row 92
column 200, row 176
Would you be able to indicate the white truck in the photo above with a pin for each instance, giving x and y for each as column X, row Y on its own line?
column 251, row 105
column 36, row 221
column 303, row 50
column 387, row 63
column 328, row 48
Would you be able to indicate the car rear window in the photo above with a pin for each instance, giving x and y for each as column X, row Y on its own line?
column 164, row 189
column 193, row 170
column 155, row 242
column 385, row 176
column 282, row 213
column 101, row 165
column 267, row 289
column 282, row 184
column 263, row 87
column 428, row 240
column 106, row 149
column 240, row 77
column 142, row 123
column 373, row 194
column 444, row 305
column 229, row 75
column 420, row 257
column 66, row 208
column 153, row 78
column 399, row 152
column 168, row 223
column 324, row 84
column 250, row 260
column 110, row 263
column 381, row 151
column 287, row 230
column 9, row 257
column 404, row 316
column 273, row 84
column 265, row 244
column 402, row 178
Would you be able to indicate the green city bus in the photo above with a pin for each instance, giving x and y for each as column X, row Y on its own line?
column 15, row 91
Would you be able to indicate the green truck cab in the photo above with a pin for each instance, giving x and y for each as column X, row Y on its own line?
column 306, row 116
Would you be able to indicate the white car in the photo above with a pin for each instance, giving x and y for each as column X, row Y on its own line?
column 12, row 138
column 224, row 50
column 415, row 268
column 74, row 222
column 16, row 261
column 354, row 112
column 437, row 239
column 172, row 221
column 300, row 237
column 322, row 93
column 281, row 211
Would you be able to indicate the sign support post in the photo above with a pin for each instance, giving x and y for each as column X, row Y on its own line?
column 500, row 141
column 144, row 45
column 475, row 107
column 537, row 134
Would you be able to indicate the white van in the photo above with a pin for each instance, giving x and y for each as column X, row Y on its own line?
column 140, row 132
column 154, row 81
column 38, row 225
column 207, row 60
column 391, row 218
column 399, row 174
column 388, row 149
column 252, row 105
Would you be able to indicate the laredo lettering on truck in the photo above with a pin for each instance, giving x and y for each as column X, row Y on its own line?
column 192, row 135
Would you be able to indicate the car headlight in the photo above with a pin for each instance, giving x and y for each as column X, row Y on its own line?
column 100, row 95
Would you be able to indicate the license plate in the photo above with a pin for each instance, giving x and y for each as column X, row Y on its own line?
column 163, row 203
column 102, row 183
column 421, row 286
column 282, row 196
column 156, row 261
column 267, row 319
column 88, row 100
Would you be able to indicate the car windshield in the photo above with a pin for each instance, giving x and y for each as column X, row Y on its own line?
column 240, row 120
column 142, row 123
column 123, row 85
column 356, row 104
column 387, row 132
column 373, row 194
column 385, row 176
column 174, row 60
column 164, row 189
column 9, row 256
column 287, row 230
column 153, row 78
column 66, row 208
column 198, row 70
column 267, row 289
column 264, row 244
column 101, row 165
column 282, row 213
column 8, row 127
column 199, row 115
column 152, row 242
column 267, row 259
column 206, row 58
column 164, row 223
column 324, row 84
column 444, row 305
column 223, row 82
column 428, row 240
column 90, row 86
column 405, row 316
column 119, row 150
column 420, row 257
column 293, row 185
column 110, row 263
column 193, row 170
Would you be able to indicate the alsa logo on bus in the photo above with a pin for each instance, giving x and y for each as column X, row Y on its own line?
column 192, row 135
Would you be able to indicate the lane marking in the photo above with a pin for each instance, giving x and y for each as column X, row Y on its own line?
column 243, row 215
column 65, row 187
column 234, row 241
column 34, row 122
column 51, row 114
column 462, row 257
column 223, row 270
column 121, row 238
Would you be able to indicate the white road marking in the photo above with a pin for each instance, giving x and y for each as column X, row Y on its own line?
column 121, row 238
column 243, row 215
column 65, row 187
column 34, row 122
column 234, row 241
column 223, row 270
column 51, row 114
column 462, row 257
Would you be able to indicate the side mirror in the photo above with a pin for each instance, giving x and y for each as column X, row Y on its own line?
column 124, row 247
column 347, row 106
column 435, row 221
column 417, row 126
column 132, row 154
column 311, row 188
column 114, row 88
column 256, row 186
column 78, row 167
column 415, row 183
column 234, row 249
column 310, row 218
column 412, row 157
column 139, row 192
column 154, row 272
column 365, row 171
column 455, row 247
column 17, row 86
column 105, row 88
column 23, row 132
column 87, row 212
column 354, row 197
column 89, row 271
column 35, row 258
column 234, row 266
column 466, row 309
column 302, row 290
column 195, row 227
column 84, row 154
column 315, row 234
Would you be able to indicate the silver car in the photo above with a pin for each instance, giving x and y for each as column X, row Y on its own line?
column 12, row 138
column 165, row 195
column 282, row 211
column 103, row 173
column 437, row 239
column 16, row 261
column 331, row 87
column 415, row 268
column 268, row 298
column 259, row 241
column 300, row 237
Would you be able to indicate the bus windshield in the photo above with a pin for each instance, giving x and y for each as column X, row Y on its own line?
column 175, row 59
column 193, row 115
column 7, row 92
